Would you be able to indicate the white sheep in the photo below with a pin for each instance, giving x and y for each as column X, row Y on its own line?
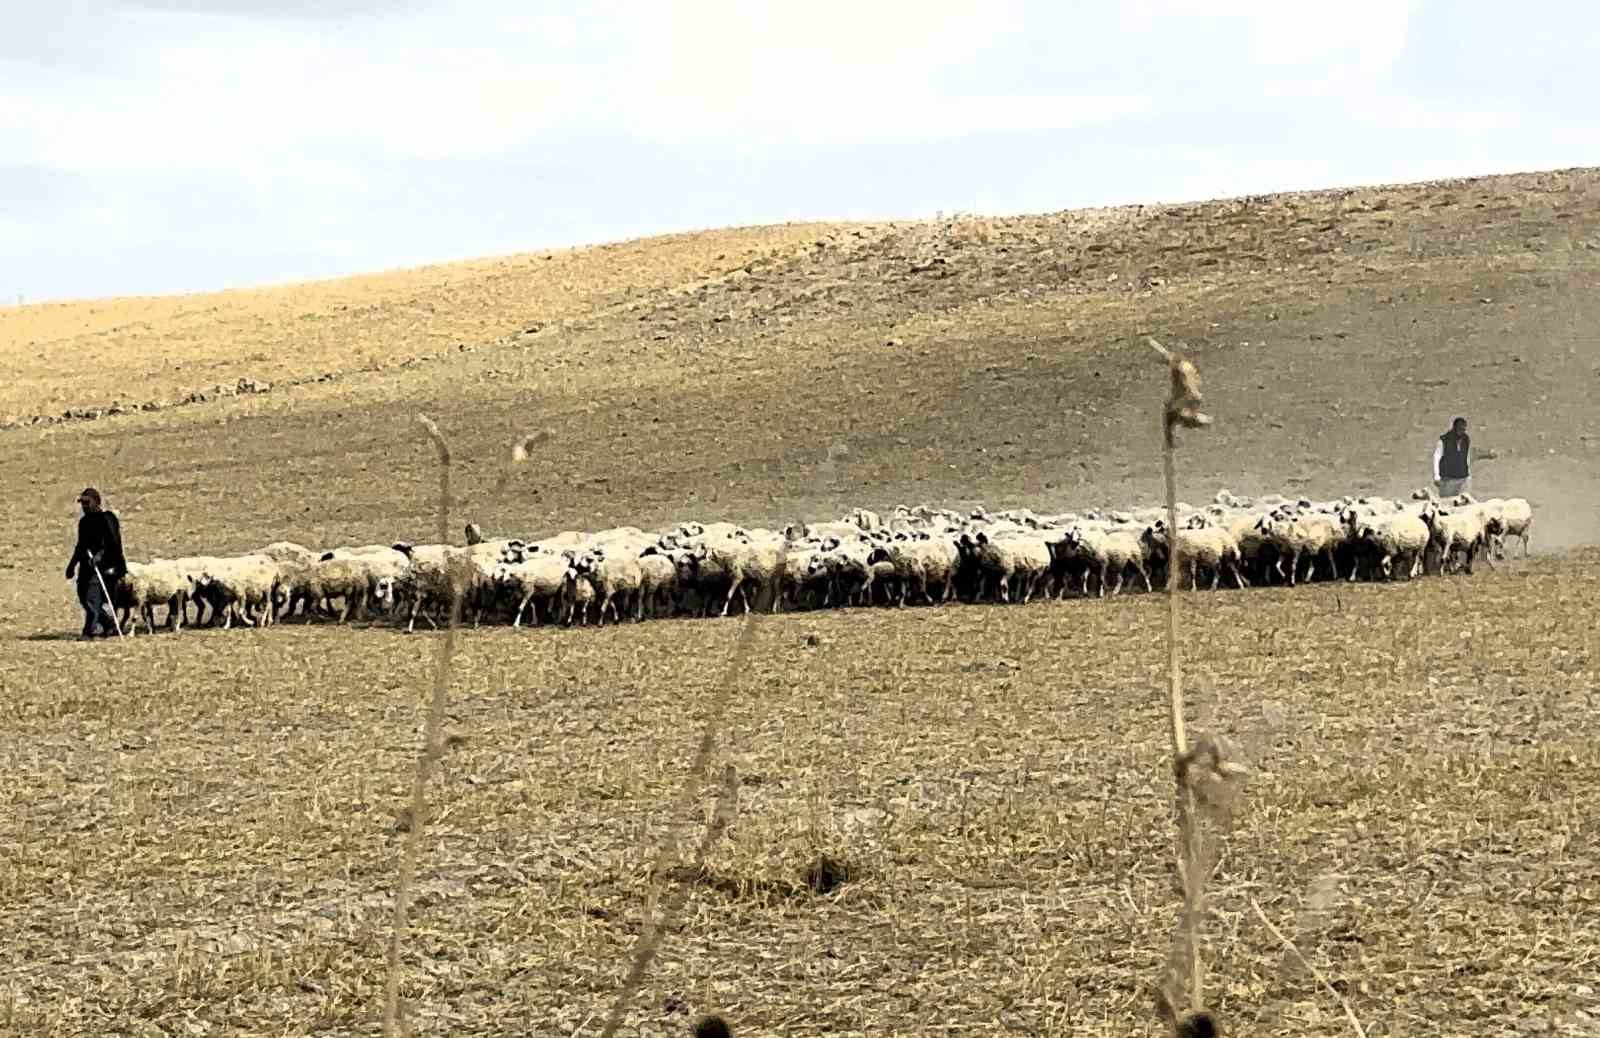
column 738, row 561
column 1010, row 555
column 1211, row 548
column 540, row 577
column 146, row 585
column 1401, row 536
column 243, row 587
column 1508, row 517
column 614, row 577
column 1103, row 552
column 1302, row 535
column 1457, row 535
column 658, row 582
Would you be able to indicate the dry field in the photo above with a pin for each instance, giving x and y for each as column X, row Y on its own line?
column 200, row 832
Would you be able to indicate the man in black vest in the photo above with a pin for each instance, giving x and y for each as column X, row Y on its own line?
column 1451, row 473
column 99, row 548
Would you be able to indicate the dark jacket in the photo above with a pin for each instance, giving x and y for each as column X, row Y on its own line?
column 99, row 537
column 1453, row 462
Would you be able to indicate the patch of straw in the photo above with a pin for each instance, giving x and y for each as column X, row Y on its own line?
column 1289, row 946
column 651, row 936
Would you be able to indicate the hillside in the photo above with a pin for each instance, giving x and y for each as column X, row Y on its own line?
column 780, row 371
column 202, row 828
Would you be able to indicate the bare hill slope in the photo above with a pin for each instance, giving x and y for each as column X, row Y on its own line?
column 789, row 371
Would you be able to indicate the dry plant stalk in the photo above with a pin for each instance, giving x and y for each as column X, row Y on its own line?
column 1182, row 409
column 727, row 795
column 1349, row 1014
column 431, row 748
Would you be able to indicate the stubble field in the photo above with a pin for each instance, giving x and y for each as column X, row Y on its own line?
column 202, row 831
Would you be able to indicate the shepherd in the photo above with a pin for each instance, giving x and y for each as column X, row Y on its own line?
column 98, row 563
column 1451, row 473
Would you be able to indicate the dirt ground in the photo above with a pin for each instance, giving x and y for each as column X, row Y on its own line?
column 201, row 831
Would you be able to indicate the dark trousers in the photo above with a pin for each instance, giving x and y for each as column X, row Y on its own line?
column 96, row 610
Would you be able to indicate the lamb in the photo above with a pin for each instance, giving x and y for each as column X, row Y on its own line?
column 146, row 585
column 1211, row 548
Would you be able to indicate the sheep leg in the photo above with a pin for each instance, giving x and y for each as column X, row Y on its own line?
column 733, row 587
column 744, row 593
column 1216, row 576
column 1238, row 577
column 1333, row 566
column 1116, row 588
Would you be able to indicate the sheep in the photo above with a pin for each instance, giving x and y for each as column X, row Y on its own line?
column 1211, row 548
column 382, row 562
column 350, row 580
column 1456, row 537
column 578, row 595
column 740, row 562
column 805, row 577
column 1389, row 537
column 919, row 559
column 235, row 586
column 146, row 585
column 1100, row 551
column 539, row 577
column 1508, row 517
column 1008, row 555
column 1305, row 535
column 613, row 577
column 288, row 551
column 845, row 570
column 437, row 574
column 658, row 582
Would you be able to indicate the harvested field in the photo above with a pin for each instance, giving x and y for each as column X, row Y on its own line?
column 202, row 831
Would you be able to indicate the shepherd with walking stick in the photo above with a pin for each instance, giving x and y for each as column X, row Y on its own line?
column 97, row 564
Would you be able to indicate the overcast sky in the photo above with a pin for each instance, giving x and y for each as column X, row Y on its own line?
column 152, row 146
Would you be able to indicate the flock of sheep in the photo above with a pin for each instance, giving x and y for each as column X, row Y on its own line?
column 918, row 555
